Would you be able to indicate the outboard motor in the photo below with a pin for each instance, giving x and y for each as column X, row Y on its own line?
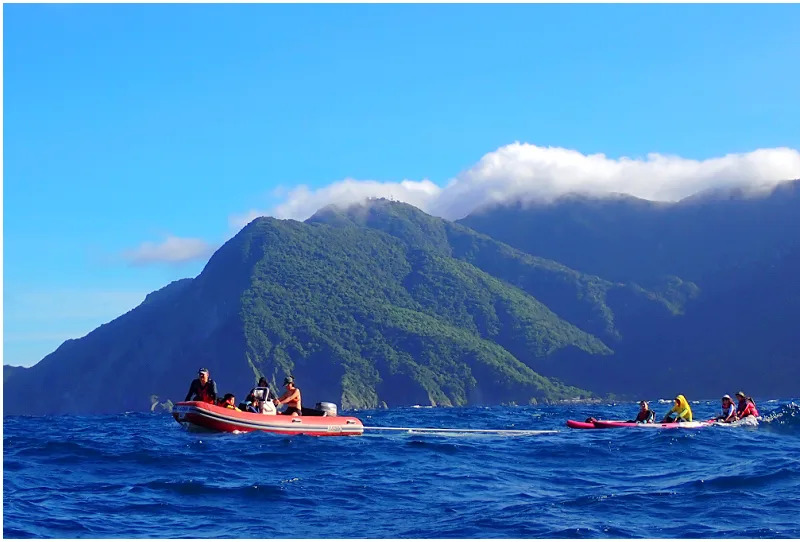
column 328, row 408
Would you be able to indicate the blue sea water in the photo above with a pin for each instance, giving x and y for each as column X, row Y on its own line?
column 144, row 476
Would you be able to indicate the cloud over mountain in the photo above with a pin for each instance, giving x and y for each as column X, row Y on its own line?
column 172, row 250
column 526, row 172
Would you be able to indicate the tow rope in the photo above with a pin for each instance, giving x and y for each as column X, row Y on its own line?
column 517, row 432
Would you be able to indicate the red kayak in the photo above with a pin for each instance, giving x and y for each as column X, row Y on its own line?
column 580, row 425
column 197, row 414
column 574, row 424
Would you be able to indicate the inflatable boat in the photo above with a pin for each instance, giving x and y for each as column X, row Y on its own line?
column 196, row 415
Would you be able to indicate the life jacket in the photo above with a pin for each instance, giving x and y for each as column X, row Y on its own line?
column 648, row 416
column 749, row 410
column 753, row 406
column 202, row 393
column 726, row 412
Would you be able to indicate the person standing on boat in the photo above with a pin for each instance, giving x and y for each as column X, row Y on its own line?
column 202, row 388
column 682, row 410
column 291, row 398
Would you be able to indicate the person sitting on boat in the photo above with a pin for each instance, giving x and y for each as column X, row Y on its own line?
column 257, row 397
column 251, row 406
column 682, row 410
column 229, row 401
column 728, row 410
column 645, row 415
column 746, row 407
column 260, row 392
column 291, row 398
column 202, row 388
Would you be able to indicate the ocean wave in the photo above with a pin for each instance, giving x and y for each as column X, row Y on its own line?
column 143, row 476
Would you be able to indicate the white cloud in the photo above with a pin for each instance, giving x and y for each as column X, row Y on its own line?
column 530, row 173
column 525, row 172
column 171, row 250
column 301, row 202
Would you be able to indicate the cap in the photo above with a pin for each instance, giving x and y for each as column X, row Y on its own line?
column 740, row 394
column 202, row 370
column 643, row 402
column 288, row 380
column 726, row 396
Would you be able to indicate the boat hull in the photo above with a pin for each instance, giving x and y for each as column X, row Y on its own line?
column 205, row 416
column 681, row 425
column 749, row 421
column 574, row 424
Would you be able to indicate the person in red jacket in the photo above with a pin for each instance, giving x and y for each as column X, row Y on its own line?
column 202, row 388
column 747, row 407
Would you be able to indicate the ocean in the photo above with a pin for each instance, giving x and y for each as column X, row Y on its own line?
column 143, row 476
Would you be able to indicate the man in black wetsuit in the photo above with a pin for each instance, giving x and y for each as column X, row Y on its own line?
column 202, row 388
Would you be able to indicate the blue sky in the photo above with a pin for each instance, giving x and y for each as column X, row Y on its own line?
column 139, row 137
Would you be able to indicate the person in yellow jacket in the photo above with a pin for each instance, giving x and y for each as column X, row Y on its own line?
column 229, row 401
column 682, row 410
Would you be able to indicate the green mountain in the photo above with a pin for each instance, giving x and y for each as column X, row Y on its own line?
column 742, row 254
column 381, row 304
column 360, row 315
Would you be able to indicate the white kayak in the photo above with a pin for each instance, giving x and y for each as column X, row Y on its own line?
column 673, row 425
column 748, row 421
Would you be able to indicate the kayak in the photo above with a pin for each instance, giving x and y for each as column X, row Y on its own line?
column 205, row 416
column 748, row 421
column 674, row 425
column 574, row 424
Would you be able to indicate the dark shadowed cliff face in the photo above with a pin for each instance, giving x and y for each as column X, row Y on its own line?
column 625, row 238
column 382, row 304
column 738, row 328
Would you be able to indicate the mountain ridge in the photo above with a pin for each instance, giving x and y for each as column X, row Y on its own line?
column 380, row 304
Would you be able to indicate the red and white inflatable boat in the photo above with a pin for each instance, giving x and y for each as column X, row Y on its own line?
column 197, row 414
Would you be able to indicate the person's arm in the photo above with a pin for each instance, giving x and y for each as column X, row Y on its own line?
column 288, row 396
column 191, row 391
column 731, row 416
column 213, row 390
